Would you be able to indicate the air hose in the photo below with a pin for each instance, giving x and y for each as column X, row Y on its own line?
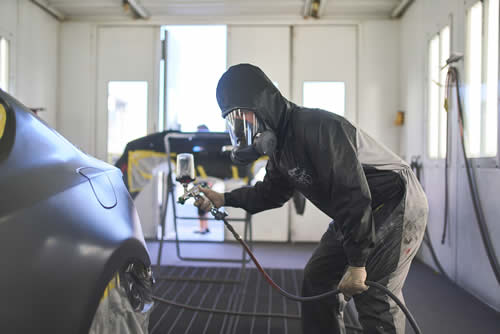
column 416, row 166
column 453, row 78
column 221, row 216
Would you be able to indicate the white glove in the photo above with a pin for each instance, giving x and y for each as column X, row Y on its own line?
column 353, row 281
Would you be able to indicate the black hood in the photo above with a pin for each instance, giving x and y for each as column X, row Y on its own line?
column 246, row 86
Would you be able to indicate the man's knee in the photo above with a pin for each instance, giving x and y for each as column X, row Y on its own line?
column 378, row 315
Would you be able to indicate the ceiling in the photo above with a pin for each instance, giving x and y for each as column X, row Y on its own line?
column 104, row 9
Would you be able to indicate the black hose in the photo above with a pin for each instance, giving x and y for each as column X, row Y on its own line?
column 221, row 216
column 288, row 295
column 446, row 186
column 453, row 77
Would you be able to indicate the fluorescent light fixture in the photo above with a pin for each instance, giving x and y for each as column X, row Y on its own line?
column 313, row 8
column 137, row 8
column 401, row 8
column 43, row 4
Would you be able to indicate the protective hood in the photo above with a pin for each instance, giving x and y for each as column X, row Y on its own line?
column 245, row 86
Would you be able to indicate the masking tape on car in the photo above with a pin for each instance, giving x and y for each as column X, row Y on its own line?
column 3, row 119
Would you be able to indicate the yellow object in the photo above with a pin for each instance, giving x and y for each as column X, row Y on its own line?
column 133, row 162
column 115, row 281
column 400, row 118
column 236, row 175
column 202, row 172
column 262, row 158
column 445, row 104
column 3, row 119
column 378, row 207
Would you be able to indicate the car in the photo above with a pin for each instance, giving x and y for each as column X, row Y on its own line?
column 71, row 242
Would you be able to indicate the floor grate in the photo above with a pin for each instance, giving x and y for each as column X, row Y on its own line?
column 253, row 294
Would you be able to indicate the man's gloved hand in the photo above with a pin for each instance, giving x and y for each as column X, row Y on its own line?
column 353, row 281
column 216, row 198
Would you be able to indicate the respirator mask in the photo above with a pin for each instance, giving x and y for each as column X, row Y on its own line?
column 249, row 137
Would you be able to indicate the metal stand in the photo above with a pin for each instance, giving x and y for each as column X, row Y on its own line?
column 169, row 194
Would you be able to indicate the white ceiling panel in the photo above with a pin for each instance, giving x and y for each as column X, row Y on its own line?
column 88, row 8
column 224, row 8
column 360, row 7
column 80, row 9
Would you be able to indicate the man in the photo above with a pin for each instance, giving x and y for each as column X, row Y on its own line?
column 378, row 207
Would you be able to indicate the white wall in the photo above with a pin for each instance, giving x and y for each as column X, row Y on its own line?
column 412, row 76
column 252, row 44
column 8, row 29
column 37, row 60
column 34, row 55
column 76, row 118
column 378, row 85
column 379, row 81
column 463, row 255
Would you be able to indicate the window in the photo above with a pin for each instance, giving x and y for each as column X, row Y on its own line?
column 4, row 64
column 481, row 67
column 161, row 107
column 327, row 95
column 439, row 52
column 127, row 115
column 196, row 59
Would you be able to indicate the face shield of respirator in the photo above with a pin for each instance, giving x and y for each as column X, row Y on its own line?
column 249, row 137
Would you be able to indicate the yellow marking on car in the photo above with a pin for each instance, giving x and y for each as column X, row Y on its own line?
column 111, row 285
column 3, row 120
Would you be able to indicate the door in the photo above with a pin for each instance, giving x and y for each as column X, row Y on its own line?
column 127, row 99
column 127, row 62
column 253, row 44
column 324, row 75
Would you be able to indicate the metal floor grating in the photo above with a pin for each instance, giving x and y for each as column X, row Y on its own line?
column 253, row 294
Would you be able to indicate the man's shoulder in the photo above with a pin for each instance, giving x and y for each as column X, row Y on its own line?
column 308, row 119
column 317, row 128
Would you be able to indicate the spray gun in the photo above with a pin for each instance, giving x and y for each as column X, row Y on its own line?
column 185, row 176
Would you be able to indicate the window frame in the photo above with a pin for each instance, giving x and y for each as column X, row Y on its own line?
column 10, row 59
column 437, row 161
column 493, row 161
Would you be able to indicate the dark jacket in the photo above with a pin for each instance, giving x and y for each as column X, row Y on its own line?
column 318, row 154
